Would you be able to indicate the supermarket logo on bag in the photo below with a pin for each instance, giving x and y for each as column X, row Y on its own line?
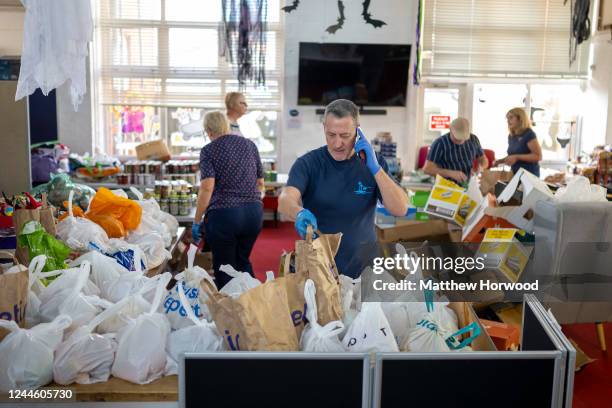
column 17, row 313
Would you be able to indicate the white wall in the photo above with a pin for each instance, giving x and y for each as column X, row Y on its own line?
column 308, row 24
column 11, row 30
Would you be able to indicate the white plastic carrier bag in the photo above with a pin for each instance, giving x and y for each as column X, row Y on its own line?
column 141, row 344
column 26, row 360
column 317, row 338
column 370, row 331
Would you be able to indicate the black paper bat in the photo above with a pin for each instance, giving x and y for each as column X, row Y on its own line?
column 367, row 16
column 335, row 27
column 293, row 6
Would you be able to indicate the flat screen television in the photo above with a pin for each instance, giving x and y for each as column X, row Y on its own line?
column 367, row 74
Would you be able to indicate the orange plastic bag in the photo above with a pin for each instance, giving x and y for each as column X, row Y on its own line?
column 76, row 211
column 113, row 227
column 106, row 204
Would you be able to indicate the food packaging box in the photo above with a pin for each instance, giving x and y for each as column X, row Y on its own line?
column 486, row 215
column 503, row 252
column 449, row 201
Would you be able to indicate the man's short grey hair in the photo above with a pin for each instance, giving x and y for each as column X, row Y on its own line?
column 341, row 108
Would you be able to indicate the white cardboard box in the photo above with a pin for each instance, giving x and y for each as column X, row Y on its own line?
column 529, row 189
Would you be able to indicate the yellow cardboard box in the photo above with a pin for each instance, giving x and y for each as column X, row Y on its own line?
column 503, row 252
column 449, row 201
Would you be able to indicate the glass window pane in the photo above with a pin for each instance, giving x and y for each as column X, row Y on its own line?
column 135, row 9
column 128, row 126
column 193, row 48
column 186, row 130
column 554, row 117
column 134, row 46
column 491, row 103
column 193, row 10
column 438, row 102
column 260, row 127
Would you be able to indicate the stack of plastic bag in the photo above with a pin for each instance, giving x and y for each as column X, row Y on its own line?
column 240, row 282
column 141, row 350
column 317, row 338
column 136, row 305
column 105, row 271
column 190, row 280
column 201, row 336
column 86, row 357
column 370, row 331
column 64, row 296
column 579, row 188
column 27, row 354
column 78, row 232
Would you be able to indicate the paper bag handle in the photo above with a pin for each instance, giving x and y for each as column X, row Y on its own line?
column 8, row 255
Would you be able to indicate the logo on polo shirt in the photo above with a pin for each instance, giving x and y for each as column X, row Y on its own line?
column 363, row 190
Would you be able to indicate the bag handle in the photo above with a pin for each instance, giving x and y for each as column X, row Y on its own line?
column 137, row 193
column 191, row 254
column 186, row 305
column 9, row 325
column 111, row 311
column 287, row 263
column 310, row 292
column 451, row 340
column 429, row 299
column 36, row 266
column 269, row 276
column 70, row 197
column 8, row 255
column 161, row 287
column 229, row 269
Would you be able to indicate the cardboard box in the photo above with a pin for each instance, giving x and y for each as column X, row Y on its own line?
column 486, row 215
column 489, row 178
column 413, row 231
column 505, row 336
column 154, row 150
column 520, row 197
column 449, row 201
column 503, row 252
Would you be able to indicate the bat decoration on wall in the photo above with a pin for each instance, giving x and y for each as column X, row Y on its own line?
column 335, row 27
column 293, row 6
column 367, row 16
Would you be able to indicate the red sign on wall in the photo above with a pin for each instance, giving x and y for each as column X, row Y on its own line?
column 439, row 122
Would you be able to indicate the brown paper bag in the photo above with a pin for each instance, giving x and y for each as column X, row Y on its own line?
column 13, row 294
column 256, row 321
column 43, row 214
column 314, row 259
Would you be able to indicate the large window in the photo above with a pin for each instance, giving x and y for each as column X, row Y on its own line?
column 553, row 109
column 157, row 71
column 499, row 38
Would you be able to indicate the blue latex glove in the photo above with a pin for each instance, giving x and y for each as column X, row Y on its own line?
column 303, row 220
column 195, row 232
column 362, row 145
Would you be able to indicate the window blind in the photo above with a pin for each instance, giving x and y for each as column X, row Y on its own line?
column 166, row 53
column 499, row 38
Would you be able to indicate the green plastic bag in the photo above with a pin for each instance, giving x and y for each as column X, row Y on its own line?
column 39, row 242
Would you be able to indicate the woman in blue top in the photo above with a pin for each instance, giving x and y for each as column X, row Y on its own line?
column 230, row 197
column 524, row 150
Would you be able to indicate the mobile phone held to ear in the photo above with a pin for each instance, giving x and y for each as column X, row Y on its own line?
column 362, row 154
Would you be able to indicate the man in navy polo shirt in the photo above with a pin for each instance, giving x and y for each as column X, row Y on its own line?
column 452, row 155
column 332, row 189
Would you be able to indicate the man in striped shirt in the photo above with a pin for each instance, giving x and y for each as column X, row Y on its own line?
column 452, row 155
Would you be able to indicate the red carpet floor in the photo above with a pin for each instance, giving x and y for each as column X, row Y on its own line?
column 592, row 384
